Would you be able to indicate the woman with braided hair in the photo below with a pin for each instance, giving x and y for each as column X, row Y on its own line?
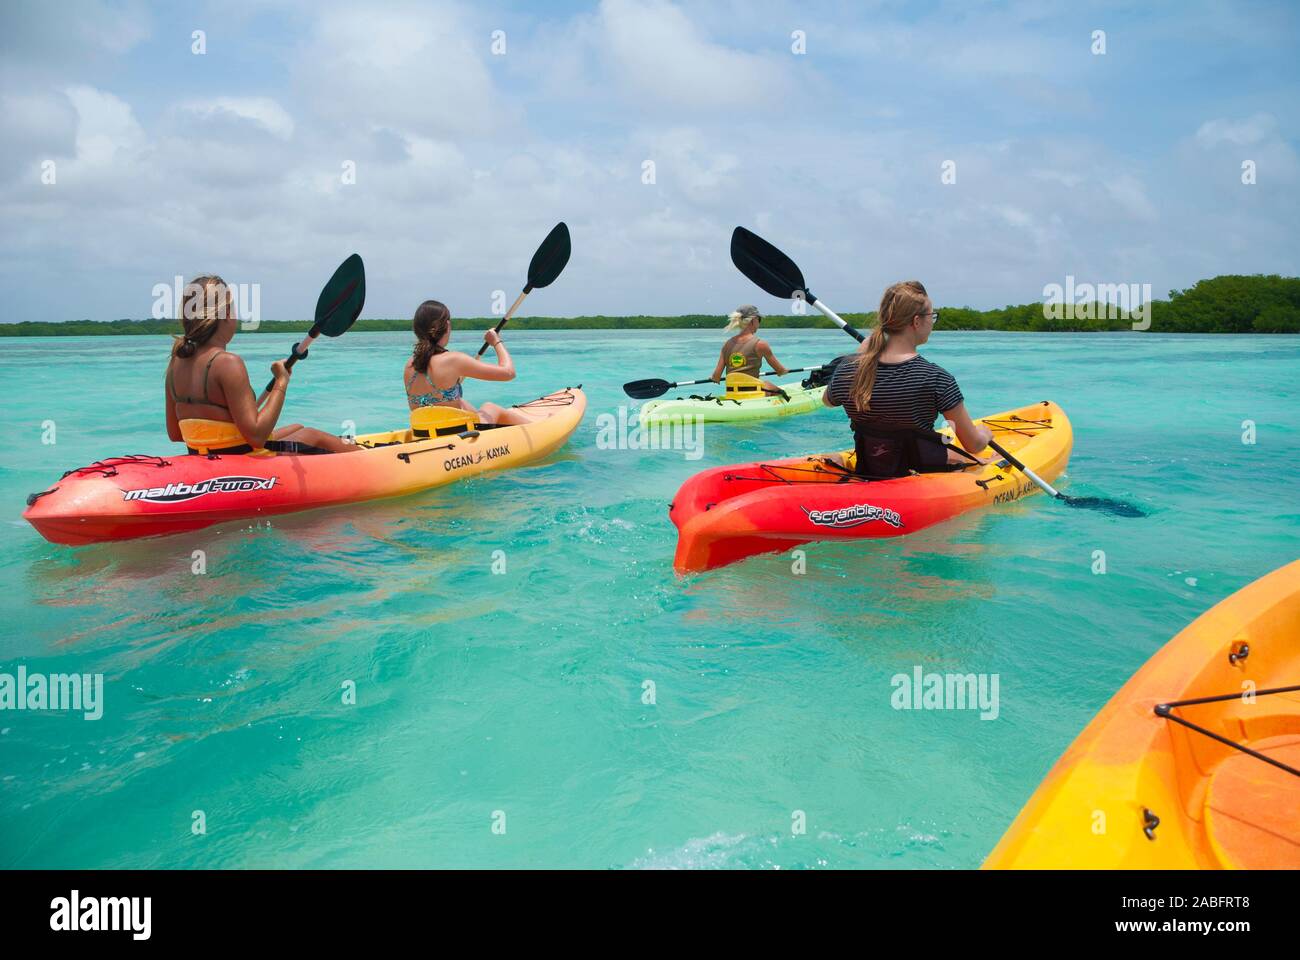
column 434, row 375
column 211, row 407
column 893, row 395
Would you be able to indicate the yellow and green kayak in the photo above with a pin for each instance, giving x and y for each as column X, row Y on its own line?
column 742, row 400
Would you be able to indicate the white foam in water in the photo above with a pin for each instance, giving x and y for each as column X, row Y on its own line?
column 701, row 853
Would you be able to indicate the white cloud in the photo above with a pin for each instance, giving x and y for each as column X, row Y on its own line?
column 706, row 169
column 662, row 56
column 1014, row 216
column 1064, row 178
column 1243, row 133
column 36, row 127
column 263, row 111
column 106, row 126
column 414, row 69
column 1128, row 191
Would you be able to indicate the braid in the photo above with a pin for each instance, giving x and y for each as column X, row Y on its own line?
column 204, row 304
column 432, row 321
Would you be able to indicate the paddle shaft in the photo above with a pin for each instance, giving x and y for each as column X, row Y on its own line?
column 689, row 383
column 509, row 313
column 298, row 351
column 1042, row 484
column 836, row 318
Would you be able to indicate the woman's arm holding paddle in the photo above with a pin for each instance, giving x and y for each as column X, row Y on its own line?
column 765, row 351
column 973, row 437
column 503, row 369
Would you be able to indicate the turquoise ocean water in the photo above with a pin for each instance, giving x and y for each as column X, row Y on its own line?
column 522, row 693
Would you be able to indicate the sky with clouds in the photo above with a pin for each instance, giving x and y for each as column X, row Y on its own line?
column 1116, row 168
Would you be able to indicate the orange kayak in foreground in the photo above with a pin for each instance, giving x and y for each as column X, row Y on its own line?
column 729, row 513
column 1194, row 763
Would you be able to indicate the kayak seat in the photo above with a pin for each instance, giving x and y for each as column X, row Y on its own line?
column 440, row 421
column 215, row 438
column 741, row 386
column 204, row 437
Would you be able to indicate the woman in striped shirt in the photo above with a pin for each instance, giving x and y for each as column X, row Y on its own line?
column 893, row 395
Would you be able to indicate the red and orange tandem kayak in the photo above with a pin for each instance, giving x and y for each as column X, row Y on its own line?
column 729, row 513
column 1194, row 763
column 126, row 497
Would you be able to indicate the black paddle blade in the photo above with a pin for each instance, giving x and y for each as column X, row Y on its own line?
column 341, row 301
column 1116, row 508
column 646, row 389
column 550, row 257
column 767, row 266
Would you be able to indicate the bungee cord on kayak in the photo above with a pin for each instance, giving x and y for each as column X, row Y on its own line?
column 1166, row 711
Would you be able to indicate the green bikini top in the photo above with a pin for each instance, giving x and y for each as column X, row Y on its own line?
column 171, row 387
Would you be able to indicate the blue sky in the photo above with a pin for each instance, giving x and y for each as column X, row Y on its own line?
column 1120, row 168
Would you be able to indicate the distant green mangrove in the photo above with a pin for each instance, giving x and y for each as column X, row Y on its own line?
column 1225, row 304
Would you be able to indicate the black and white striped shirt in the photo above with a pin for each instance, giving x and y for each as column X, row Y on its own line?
column 911, row 393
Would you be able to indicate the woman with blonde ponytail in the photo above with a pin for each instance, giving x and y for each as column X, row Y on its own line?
column 211, row 407
column 745, row 352
column 893, row 395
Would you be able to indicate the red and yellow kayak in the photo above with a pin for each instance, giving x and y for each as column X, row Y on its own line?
column 126, row 497
column 1160, row 781
column 729, row 513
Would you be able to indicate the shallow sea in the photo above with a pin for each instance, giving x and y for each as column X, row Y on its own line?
column 487, row 701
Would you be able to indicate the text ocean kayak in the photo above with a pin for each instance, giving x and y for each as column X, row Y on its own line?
column 126, row 497
column 728, row 513
column 723, row 409
column 1140, row 790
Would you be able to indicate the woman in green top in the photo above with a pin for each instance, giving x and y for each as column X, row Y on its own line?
column 745, row 352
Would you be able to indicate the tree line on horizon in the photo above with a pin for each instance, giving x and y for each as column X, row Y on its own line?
column 1226, row 304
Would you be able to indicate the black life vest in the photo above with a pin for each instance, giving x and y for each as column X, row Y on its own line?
column 884, row 452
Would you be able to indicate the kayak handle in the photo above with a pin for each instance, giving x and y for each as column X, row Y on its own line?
column 406, row 457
